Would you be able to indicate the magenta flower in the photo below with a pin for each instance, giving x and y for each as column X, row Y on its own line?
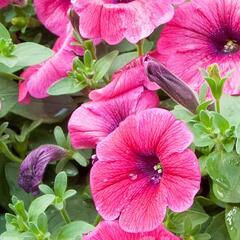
column 143, row 167
column 129, row 77
column 93, row 121
column 53, row 14
column 4, row 3
column 38, row 79
column 111, row 231
column 202, row 33
column 114, row 20
column 33, row 167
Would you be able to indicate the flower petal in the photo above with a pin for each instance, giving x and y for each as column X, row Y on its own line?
column 93, row 121
column 181, row 180
column 53, row 14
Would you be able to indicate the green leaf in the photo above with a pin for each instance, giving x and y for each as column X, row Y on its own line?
column 212, row 84
column 80, row 159
column 224, row 169
column 74, row 230
column 230, row 109
column 237, row 131
column 30, row 54
column 238, row 146
column 60, row 184
column 219, row 122
column 14, row 235
column 204, row 106
column 201, row 137
column 60, row 137
column 48, row 110
column 10, row 61
column 45, row 189
column 103, row 65
column 182, row 113
column 4, row 32
column 203, row 93
column 205, row 119
column 202, row 236
column 121, row 60
column 66, row 86
column 177, row 222
column 217, row 228
column 69, row 193
column 39, row 205
column 88, row 59
column 232, row 218
column 42, row 223
column 8, row 95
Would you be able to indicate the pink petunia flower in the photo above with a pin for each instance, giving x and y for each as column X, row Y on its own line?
column 110, row 230
column 202, row 33
column 93, row 121
column 114, row 20
column 129, row 77
column 143, row 167
column 4, row 3
column 39, row 78
column 53, row 14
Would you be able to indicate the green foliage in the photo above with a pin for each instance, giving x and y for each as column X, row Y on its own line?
column 20, row 55
column 87, row 73
column 34, row 221
column 61, row 212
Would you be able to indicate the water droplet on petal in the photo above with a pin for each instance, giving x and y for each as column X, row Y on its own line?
column 133, row 176
column 105, row 180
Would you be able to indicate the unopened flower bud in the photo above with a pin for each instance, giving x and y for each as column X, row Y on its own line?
column 169, row 83
column 33, row 167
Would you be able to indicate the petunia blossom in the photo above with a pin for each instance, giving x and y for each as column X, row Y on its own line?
column 202, row 33
column 114, row 20
column 143, row 167
column 33, row 167
column 4, row 3
column 110, row 230
column 129, row 77
column 39, row 78
column 53, row 14
column 93, row 121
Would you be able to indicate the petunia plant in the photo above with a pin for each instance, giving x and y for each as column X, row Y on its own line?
column 119, row 120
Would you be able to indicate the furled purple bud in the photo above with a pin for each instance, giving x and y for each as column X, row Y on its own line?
column 74, row 19
column 33, row 167
column 178, row 90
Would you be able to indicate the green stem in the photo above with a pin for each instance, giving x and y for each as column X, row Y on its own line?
column 6, row 151
column 140, row 50
column 218, row 105
column 97, row 220
column 65, row 215
column 91, row 47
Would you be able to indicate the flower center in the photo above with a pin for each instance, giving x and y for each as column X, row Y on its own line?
column 231, row 46
column 151, row 168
